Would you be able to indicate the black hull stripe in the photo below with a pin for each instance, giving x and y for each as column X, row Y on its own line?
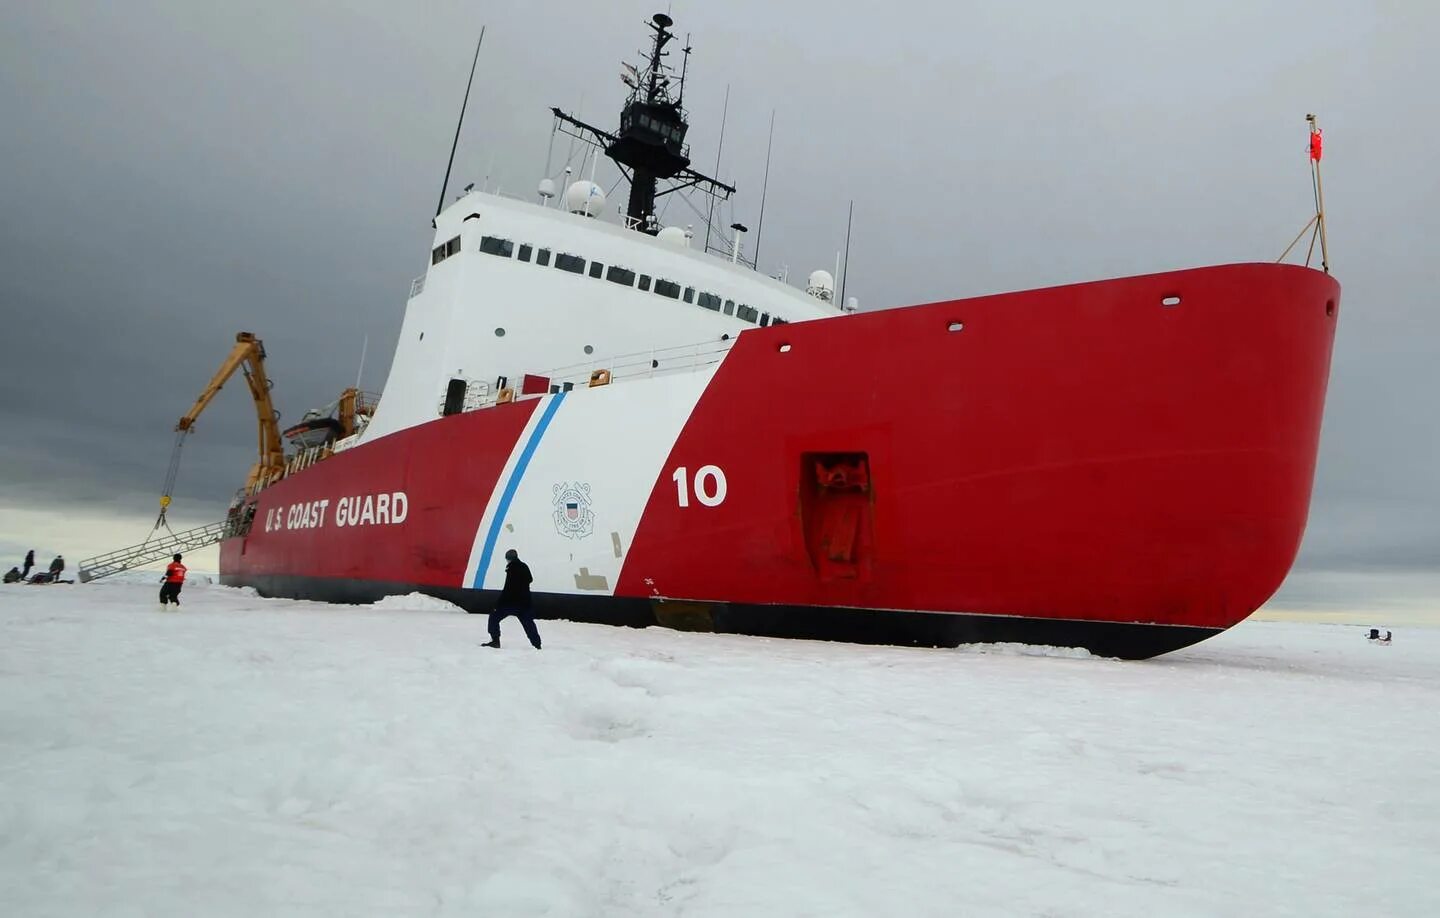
column 1115, row 639
column 1124, row 640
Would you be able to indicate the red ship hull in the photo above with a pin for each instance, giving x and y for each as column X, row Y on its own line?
column 1123, row 465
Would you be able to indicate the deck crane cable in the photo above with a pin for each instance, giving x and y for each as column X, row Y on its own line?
column 170, row 475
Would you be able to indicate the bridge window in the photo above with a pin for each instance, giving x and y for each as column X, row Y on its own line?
column 667, row 288
column 596, row 269
column 572, row 263
column 729, row 307
column 764, row 319
column 689, row 294
column 525, row 251
column 778, row 321
column 444, row 251
column 619, row 275
column 710, row 301
column 542, row 257
column 748, row 313
column 644, row 282
column 494, row 245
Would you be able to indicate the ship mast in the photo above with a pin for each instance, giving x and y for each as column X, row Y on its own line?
column 650, row 144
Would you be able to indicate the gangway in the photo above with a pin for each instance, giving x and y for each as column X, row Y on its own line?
column 152, row 550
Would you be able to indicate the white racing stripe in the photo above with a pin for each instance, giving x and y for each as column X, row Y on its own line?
column 578, row 485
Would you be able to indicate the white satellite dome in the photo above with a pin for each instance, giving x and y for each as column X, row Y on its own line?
column 547, row 188
column 821, row 285
column 674, row 235
column 585, row 198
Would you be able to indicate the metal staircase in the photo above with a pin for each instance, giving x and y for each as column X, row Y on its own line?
column 152, row 550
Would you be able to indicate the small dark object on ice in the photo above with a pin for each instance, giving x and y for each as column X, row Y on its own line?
column 1375, row 636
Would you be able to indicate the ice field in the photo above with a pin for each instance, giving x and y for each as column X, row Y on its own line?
column 266, row 757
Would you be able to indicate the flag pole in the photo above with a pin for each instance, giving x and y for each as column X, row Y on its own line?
column 1316, row 142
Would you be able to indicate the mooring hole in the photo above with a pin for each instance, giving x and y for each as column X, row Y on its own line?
column 784, row 348
column 955, row 326
column 1171, row 300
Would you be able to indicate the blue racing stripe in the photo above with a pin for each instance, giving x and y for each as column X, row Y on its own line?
column 511, row 486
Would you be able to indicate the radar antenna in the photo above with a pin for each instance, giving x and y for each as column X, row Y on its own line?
column 651, row 140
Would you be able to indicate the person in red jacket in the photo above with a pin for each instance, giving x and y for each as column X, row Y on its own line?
column 171, row 583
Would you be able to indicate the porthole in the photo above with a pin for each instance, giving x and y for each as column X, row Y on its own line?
column 499, row 332
column 589, row 349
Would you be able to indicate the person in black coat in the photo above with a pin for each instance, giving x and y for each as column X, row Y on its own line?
column 29, row 563
column 514, row 600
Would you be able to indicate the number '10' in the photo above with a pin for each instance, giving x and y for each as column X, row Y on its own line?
column 709, row 485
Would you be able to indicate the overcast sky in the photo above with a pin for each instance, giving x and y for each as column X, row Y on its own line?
column 174, row 172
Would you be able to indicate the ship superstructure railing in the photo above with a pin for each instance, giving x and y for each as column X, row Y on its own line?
column 365, row 404
column 684, row 358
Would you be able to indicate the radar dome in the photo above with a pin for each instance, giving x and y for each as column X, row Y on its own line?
column 547, row 188
column 821, row 285
column 674, row 235
column 584, row 198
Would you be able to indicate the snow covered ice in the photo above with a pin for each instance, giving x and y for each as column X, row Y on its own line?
column 266, row 757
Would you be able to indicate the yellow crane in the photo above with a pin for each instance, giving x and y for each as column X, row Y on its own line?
column 247, row 356
column 353, row 406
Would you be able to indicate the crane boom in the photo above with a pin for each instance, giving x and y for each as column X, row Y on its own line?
column 248, row 356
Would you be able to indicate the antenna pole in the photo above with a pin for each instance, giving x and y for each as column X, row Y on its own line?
column 724, row 115
column 358, row 373
column 684, row 69
column 846, row 276
column 461, row 120
column 760, row 225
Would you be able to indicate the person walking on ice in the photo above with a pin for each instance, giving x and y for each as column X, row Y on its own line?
column 171, row 583
column 514, row 600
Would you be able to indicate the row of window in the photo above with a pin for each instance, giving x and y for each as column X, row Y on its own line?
column 504, row 248
column 668, row 130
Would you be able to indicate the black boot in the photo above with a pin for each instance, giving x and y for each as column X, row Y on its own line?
column 493, row 642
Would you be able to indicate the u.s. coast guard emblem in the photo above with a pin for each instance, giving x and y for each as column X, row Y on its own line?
column 573, row 518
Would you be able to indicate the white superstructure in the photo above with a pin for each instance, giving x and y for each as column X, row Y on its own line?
column 516, row 288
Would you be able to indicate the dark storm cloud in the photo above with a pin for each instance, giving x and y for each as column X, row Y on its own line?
column 171, row 173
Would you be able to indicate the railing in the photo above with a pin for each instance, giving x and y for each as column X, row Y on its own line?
column 645, row 364
column 148, row 552
column 365, row 406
